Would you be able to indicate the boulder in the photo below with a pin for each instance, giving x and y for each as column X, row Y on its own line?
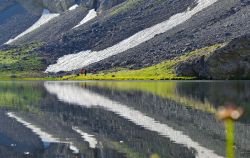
column 232, row 61
column 229, row 62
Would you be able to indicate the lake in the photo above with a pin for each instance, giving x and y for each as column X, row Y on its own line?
column 120, row 119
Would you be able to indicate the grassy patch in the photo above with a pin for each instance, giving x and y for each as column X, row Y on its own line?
column 125, row 6
column 28, row 69
column 162, row 71
column 20, row 61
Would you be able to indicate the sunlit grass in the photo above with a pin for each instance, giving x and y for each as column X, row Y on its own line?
column 125, row 6
column 162, row 71
column 20, row 61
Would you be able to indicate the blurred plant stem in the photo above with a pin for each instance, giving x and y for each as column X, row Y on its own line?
column 229, row 123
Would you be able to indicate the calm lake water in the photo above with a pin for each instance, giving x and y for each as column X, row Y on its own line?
column 120, row 119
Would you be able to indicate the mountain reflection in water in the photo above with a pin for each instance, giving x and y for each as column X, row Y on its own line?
column 119, row 119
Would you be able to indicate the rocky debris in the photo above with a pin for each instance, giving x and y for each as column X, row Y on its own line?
column 229, row 62
column 219, row 23
column 100, row 5
column 34, row 8
column 14, row 19
column 5, row 4
column 108, row 30
column 54, row 6
column 55, row 28
column 58, row 5
column 208, row 27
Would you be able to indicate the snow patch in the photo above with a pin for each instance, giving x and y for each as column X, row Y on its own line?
column 73, row 7
column 87, row 137
column 71, row 93
column 46, row 17
column 85, row 58
column 91, row 15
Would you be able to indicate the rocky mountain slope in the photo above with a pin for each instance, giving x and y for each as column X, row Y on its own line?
column 127, row 34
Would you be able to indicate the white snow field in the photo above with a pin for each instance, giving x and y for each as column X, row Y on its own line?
column 73, row 7
column 74, row 94
column 85, row 58
column 45, row 18
column 91, row 15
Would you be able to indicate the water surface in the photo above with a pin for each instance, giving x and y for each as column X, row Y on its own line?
column 120, row 119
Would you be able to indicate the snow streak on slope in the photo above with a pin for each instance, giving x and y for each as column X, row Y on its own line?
column 91, row 15
column 73, row 7
column 85, row 58
column 70, row 93
column 87, row 137
column 46, row 17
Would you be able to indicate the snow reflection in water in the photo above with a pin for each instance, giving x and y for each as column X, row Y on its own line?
column 71, row 93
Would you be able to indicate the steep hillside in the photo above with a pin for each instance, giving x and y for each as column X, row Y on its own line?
column 130, row 34
column 14, row 19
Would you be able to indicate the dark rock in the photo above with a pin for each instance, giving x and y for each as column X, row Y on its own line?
column 229, row 62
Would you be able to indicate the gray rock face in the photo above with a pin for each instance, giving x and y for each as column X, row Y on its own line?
column 13, row 14
column 36, row 6
column 232, row 61
column 101, row 5
column 193, row 67
column 58, row 5
column 53, row 5
column 229, row 62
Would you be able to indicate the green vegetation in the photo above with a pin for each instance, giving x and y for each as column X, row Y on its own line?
column 20, row 61
column 162, row 71
column 21, row 64
column 131, row 4
column 123, row 148
column 125, row 6
column 19, row 96
column 165, row 90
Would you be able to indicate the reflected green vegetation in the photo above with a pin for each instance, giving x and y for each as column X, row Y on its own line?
column 19, row 96
column 166, row 90
column 204, row 96
column 123, row 148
